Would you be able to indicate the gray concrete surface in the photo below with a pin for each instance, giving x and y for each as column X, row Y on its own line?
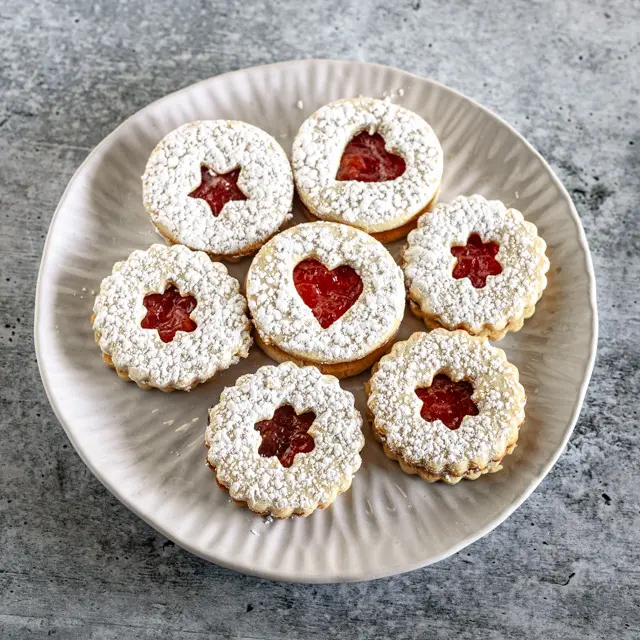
column 75, row 564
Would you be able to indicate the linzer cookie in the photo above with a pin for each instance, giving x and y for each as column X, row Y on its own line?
column 475, row 265
column 368, row 163
column 325, row 294
column 220, row 186
column 285, row 440
column 170, row 318
column 446, row 405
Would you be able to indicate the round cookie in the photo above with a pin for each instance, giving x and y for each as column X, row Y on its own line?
column 220, row 186
column 446, row 405
column 285, row 440
column 325, row 294
column 367, row 163
column 170, row 318
column 475, row 265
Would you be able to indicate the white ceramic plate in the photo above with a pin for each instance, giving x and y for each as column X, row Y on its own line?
column 147, row 447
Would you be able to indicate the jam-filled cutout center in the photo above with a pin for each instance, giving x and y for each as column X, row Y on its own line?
column 285, row 435
column 329, row 294
column 216, row 189
column 365, row 159
column 476, row 261
column 169, row 312
column 447, row 401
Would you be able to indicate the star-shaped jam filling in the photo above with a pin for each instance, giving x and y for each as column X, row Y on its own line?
column 285, row 434
column 476, row 261
column 447, row 401
column 366, row 160
column 169, row 312
column 216, row 189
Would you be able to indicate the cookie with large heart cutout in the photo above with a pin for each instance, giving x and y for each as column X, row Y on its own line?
column 368, row 163
column 325, row 294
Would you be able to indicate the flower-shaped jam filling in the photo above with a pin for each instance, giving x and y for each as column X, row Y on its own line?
column 365, row 159
column 285, row 434
column 329, row 294
column 476, row 261
column 169, row 313
column 216, row 189
column 447, row 401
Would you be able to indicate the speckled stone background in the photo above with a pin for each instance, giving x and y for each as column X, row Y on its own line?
column 75, row 564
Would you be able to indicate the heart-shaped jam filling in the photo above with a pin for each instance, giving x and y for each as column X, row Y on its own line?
column 169, row 312
column 447, row 401
column 286, row 434
column 216, row 189
column 329, row 294
column 365, row 159
column 476, row 261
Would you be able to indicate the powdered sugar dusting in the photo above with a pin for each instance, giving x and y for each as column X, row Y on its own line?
column 396, row 407
column 428, row 264
column 283, row 319
column 372, row 206
column 314, row 478
column 223, row 330
column 173, row 172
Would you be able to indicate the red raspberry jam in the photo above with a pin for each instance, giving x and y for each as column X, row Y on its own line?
column 476, row 261
column 447, row 401
column 329, row 294
column 218, row 189
column 365, row 159
column 286, row 434
column 168, row 312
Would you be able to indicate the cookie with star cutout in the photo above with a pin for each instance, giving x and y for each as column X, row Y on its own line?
column 170, row 318
column 446, row 405
column 475, row 264
column 220, row 186
column 285, row 440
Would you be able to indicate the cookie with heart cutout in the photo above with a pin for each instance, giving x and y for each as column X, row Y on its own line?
column 170, row 318
column 325, row 294
column 367, row 163
column 446, row 405
column 220, row 186
column 285, row 440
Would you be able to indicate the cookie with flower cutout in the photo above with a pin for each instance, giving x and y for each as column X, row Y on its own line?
column 220, row 186
column 170, row 318
column 285, row 440
column 367, row 163
column 446, row 405
column 475, row 264
column 325, row 294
